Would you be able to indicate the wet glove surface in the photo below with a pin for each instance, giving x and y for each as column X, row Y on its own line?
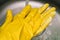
column 27, row 23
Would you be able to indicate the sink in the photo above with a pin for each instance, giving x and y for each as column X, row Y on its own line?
column 51, row 32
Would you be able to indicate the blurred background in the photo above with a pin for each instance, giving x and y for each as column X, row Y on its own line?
column 52, row 2
column 53, row 30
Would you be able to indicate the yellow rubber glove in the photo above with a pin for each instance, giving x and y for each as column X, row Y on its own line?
column 12, row 27
column 31, row 18
column 4, row 35
column 20, row 26
column 38, row 22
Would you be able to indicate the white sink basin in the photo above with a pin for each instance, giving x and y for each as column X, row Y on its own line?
column 51, row 33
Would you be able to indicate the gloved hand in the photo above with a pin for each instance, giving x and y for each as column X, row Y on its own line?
column 27, row 23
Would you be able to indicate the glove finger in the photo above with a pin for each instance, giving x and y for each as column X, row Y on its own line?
column 9, row 16
column 48, row 11
column 41, row 29
column 23, row 13
column 45, row 22
column 43, row 8
column 8, row 19
column 52, row 14
column 38, row 22
column 40, row 11
column 31, row 14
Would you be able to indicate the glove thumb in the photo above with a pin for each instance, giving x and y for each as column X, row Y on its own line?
column 8, row 18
